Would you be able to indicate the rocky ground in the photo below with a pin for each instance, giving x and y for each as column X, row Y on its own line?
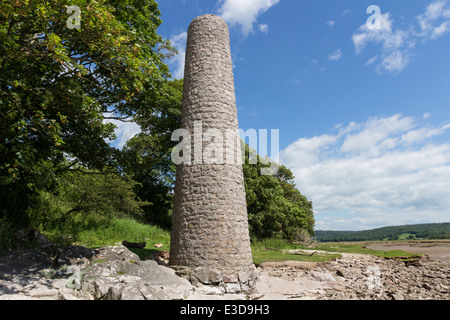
column 358, row 277
column 115, row 273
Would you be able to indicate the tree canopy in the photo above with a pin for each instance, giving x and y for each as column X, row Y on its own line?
column 59, row 85
column 276, row 208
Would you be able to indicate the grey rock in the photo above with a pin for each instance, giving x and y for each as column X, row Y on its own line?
column 206, row 276
column 76, row 277
column 397, row 296
column 116, row 273
column 321, row 276
column 232, row 288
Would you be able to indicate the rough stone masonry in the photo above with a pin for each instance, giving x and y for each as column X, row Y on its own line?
column 210, row 236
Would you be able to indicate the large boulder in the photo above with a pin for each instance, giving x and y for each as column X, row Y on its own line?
column 116, row 273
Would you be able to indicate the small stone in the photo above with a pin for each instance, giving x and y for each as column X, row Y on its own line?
column 230, row 278
column 320, row 276
column 206, row 276
column 244, row 277
column 427, row 286
column 232, row 288
column 397, row 296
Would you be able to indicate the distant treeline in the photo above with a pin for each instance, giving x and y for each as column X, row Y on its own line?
column 406, row 232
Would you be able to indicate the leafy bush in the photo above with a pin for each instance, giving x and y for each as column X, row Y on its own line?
column 276, row 209
column 82, row 201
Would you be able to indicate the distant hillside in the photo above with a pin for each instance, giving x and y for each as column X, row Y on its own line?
column 406, row 232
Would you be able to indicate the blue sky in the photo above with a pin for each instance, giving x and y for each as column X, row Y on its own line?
column 364, row 115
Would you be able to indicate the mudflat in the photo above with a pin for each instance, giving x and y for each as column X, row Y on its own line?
column 433, row 249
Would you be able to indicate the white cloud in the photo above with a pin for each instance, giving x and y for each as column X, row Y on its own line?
column 371, row 60
column 264, row 28
column 439, row 31
column 335, row 56
column 397, row 45
column 435, row 11
column 394, row 62
column 384, row 171
column 330, row 23
column 178, row 42
column 244, row 13
column 124, row 132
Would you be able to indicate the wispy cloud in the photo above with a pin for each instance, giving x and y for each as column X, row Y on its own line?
column 384, row 171
column 436, row 19
column 244, row 13
column 335, row 56
column 178, row 41
column 398, row 45
column 264, row 28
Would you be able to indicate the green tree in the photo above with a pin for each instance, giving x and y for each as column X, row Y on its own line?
column 275, row 207
column 147, row 156
column 59, row 85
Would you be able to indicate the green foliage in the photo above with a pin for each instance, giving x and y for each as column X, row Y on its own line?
column 117, row 230
column 5, row 234
column 99, row 193
column 83, row 200
column 58, row 85
column 275, row 207
column 420, row 231
column 146, row 158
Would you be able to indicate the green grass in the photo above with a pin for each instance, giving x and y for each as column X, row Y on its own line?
column 118, row 230
column 261, row 252
column 278, row 244
column 113, row 232
column 276, row 250
column 262, row 255
column 360, row 248
column 95, row 232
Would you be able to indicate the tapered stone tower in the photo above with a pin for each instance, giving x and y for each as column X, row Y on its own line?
column 210, row 232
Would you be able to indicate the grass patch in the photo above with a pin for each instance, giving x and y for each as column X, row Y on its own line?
column 278, row 244
column 96, row 232
column 276, row 250
column 360, row 248
column 113, row 231
column 279, row 253
column 120, row 229
column 261, row 256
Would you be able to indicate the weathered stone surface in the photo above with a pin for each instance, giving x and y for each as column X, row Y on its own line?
column 357, row 277
column 321, row 276
column 115, row 273
column 25, row 275
column 74, row 255
column 210, row 225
